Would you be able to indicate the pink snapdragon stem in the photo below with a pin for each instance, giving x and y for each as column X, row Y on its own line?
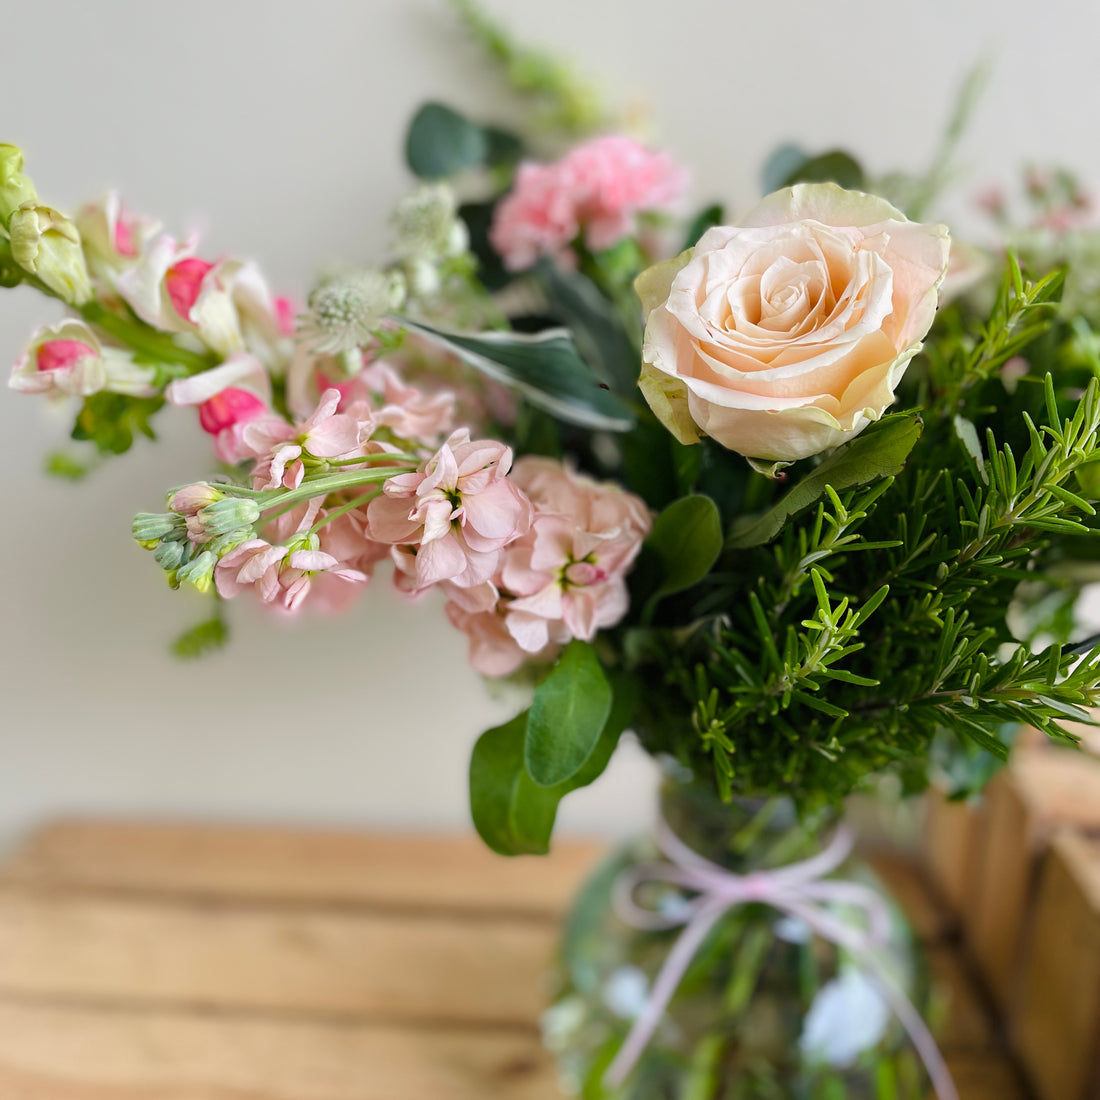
column 799, row 890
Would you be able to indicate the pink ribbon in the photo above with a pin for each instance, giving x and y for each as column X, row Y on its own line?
column 799, row 890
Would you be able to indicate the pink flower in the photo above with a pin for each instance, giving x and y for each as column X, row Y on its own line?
column 325, row 434
column 280, row 575
column 569, row 570
column 228, row 397
column 68, row 359
column 599, row 187
column 458, row 510
column 113, row 238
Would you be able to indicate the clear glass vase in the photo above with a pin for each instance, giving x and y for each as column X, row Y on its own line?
column 766, row 1008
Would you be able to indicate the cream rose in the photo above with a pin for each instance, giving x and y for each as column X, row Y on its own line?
column 788, row 334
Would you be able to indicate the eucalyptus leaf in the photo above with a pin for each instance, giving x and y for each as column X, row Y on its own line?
column 568, row 713
column 687, row 538
column 706, row 219
column 545, row 367
column 879, row 452
column 835, row 166
column 781, row 165
column 440, row 142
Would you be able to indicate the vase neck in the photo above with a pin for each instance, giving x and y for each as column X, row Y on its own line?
column 744, row 834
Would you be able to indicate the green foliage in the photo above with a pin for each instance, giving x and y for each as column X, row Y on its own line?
column 441, row 142
column 511, row 812
column 109, row 420
column 568, row 712
column 66, row 466
column 686, row 539
column 545, row 368
column 878, row 452
column 202, row 639
column 790, row 164
column 858, row 618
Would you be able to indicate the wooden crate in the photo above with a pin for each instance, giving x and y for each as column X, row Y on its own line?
column 1039, row 792
column 1057, row 1024
column 158, row 962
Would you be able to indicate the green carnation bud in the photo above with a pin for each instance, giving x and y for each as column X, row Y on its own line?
column 15, row 188
column 47, row 244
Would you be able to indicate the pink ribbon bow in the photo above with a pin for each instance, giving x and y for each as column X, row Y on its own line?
column 799, row 890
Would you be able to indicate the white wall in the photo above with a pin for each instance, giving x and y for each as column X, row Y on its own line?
column 276, row 127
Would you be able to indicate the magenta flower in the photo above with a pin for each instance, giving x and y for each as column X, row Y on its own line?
column 598, row 187
column 458, row 510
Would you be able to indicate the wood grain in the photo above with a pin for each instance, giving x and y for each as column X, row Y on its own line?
column 169, row 962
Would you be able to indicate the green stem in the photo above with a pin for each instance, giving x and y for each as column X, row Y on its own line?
column 318, row 487
column 145, row 339
column 351, row 505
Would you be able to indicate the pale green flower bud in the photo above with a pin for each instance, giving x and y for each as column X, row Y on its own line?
column 154, row 526
column 199, row 573
column 228, row 515
column 15, row 188
column 47, row 244
column 171, row 555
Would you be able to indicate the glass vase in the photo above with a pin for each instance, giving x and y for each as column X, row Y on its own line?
column 766, row 1008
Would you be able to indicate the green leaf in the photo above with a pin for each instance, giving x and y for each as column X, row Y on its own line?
column 781, row 165
column 64, row 465
column 601, row 339
column 544, row 367
column 567, row 715
column 687, row 538
column 879, row 452
column 109, row 420
column 441, row 142
column 707, row 218
column 835, row 166
column 513, row 814
column 202, row 639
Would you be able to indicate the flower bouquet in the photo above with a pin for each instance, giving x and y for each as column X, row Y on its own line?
column 792, row 493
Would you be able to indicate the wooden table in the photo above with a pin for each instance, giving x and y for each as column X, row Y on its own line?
column 169, row 962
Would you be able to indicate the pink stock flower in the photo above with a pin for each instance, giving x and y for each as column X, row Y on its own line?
column 280, row 575
column 325, row 434
column 599, row 187
column 458, row 510
column 570, row 569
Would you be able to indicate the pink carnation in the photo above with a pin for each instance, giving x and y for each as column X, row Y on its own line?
column 599, row 187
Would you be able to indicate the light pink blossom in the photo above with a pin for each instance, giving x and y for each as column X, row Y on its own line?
column 113, row 238
column 280, row 575
column 598, row 187
column 570, row 569
column 324, row 434
column 458, row 510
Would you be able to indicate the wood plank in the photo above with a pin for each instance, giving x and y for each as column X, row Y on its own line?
column 63, row 1053
column 906, row 881
column 292, row 864
column 1057, row 1027
column 950, row 847
column 1039, row 791
column 416, row 966
column 59, row 1053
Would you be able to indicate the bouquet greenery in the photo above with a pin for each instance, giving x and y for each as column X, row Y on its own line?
column 790, row 493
